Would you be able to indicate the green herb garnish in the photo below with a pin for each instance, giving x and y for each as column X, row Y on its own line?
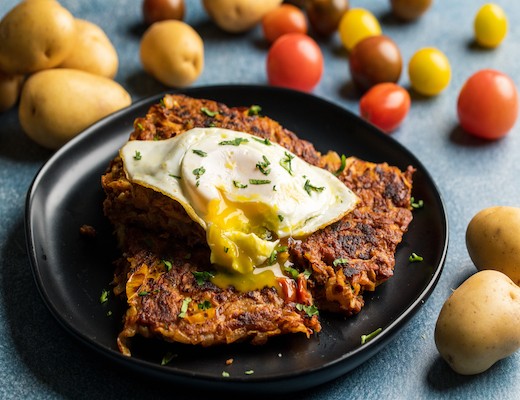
column 259, row 181
column 184, row 307
column 202, row 276
column 254, row 110
column 225, row 374
column 140, row 126
column 416, row 204
column 338, row 261
column 286, row 162
column 175, row 176
column 263, row 166
column 342, row 166
column 137, row 155
column 198, row 172
column 206, row 304
column 239, row 185
column 234, row 142
column 168, row 265
column 143, row 293
column 168, row 357
column 293, row 272
column 208, row 112
column 249, row 372
column 104, row 296
column 309, row 188
column 280, row 218
column 272, row 258
column 309, row 310
column 414, row 257
column 263, row 141
column 200, row 153
column 370, row 336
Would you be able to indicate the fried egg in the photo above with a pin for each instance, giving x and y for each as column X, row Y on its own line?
column 249, row 194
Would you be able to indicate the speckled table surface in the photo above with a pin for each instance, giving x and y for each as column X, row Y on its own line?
column 38, row 358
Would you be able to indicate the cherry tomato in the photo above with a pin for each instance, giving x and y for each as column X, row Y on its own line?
column 286, row 18
column 429, row 71
column 490, row 25
column 160, row 10
column 373, row 60
column 409, row 10
column 357, row 24
column 295, row 60
column 487, row 105
column 324, row 15
column 385, row 105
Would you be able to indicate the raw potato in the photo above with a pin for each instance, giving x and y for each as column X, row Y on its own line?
column 57, row 104
column 237, row 16
column 493, row 240
column 10, row 86
column 93, row 51
column 172, row 52
column 479, row 323
column 35, row 35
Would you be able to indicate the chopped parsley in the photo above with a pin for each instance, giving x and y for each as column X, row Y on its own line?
column 370, row 336
column 307, row 273
column 416, row 204
column 259, row 181
column 200, row 153
column 338, row 261
column 167, row 358
column 308, row 187
column 137, row 155
column 249, row 372
column 140, row 126
column 263, row 166
column 143, row 293
column 168, row 265
column 234, row 142
column 280, row 218
column 272, row 258
column 342, row 166
column 175, row 176
column 225, row 374
column 293, row 272
column 202, row 276
column 206, row 304
column 414, row 257
column 104, row 296
column 263, row 141
column 254, row 110
column 286, row 162
column 184, row 307
column 309, row 310
column 198, row 172
column 208, row 112
column 239, row 185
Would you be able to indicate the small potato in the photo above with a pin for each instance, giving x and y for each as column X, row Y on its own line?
column 93, row 51
column 35, row 35
column 236, row 16
column 479, row 323
column 10, row 86
column 57, row 104
column 172, row 52
column 493, row 240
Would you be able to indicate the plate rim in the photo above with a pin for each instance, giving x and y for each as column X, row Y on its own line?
column 237, row 383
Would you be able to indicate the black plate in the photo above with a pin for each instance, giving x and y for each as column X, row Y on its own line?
column 71, row 271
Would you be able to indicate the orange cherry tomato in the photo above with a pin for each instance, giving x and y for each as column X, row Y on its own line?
column 385, row 105
column 286, row 18
column 487, row 105
column 295, row 61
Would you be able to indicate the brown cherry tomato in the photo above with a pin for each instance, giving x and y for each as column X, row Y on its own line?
column 324, row 15
column 374, row 60
column 409, row 10
column 160, row 10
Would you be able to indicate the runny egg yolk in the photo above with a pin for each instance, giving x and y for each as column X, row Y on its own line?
column 248, row 194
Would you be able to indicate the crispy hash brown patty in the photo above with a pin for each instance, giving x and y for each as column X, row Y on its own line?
column 164, row 253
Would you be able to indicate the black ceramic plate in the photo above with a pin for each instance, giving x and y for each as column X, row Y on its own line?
column 71, row 271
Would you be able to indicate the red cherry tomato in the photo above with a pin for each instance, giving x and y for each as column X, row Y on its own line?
column 385, row 105
column 295, row 61
column 286, row 18
column 487, row 105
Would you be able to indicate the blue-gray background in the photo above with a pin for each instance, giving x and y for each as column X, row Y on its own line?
column 39, row 360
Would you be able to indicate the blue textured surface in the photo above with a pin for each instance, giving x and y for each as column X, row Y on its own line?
column 38, row 359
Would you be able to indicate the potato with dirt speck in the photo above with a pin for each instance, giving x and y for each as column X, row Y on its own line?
column 35, row 35
column 493, row 240
column 478, row 324
column 172, row 52
column 57, row 104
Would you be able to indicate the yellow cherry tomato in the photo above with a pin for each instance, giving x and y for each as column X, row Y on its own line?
column 357, row 24
column 490, row 25
column 429, row 71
